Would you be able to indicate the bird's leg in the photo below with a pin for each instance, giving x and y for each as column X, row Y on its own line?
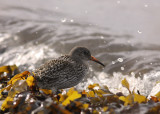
column 54, row 91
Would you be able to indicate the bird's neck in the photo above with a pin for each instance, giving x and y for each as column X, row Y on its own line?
column 76, row 59
column 79, row 61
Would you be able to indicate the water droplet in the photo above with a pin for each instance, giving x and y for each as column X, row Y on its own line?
column 132, row 73
column 129, row 41
column 63, row 20
column 120, row 59
column 139, row 31
column 56, row 8
column 122, row 68
column 5, row 73
column 71, row 20
column 118, row 2
column 140, row 74
column 146, row 5
column 101, row 37
column 113, row 62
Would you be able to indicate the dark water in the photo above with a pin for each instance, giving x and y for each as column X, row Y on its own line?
column 124, row 35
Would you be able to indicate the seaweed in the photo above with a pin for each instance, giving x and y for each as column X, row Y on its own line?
column 20, row 94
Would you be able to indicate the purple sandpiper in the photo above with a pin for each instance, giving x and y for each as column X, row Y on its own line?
column 66, row 71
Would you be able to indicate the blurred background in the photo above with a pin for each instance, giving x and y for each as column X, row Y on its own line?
column 122, row 34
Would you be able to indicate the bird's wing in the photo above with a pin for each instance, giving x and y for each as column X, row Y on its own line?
column 54, row 69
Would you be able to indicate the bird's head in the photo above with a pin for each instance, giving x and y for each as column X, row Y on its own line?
column 83, row 54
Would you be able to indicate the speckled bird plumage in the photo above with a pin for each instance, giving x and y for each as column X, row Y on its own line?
column 64, row 72
column 60, row 73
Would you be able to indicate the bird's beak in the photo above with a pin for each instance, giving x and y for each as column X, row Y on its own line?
column 96, row 60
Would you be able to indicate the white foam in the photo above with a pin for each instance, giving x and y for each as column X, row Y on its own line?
column 27, row 54
column 147, row 85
